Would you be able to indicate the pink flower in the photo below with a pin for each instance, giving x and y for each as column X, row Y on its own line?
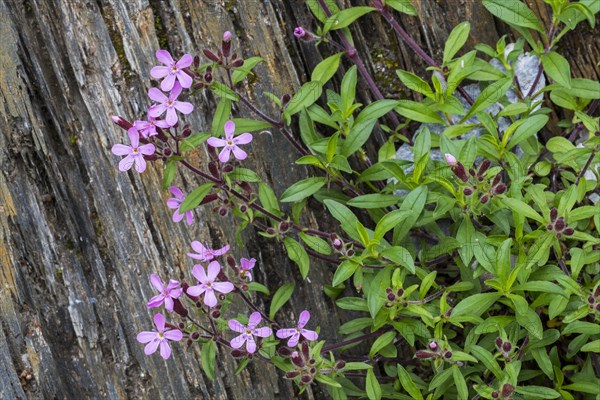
column 248, row 332
column 204, row 253
column 154, row 339
column 247, row 265
column 227, row 36
column 450, row 159
column 134, row 153
column 299, row 32
column 207, row 284
column 175, row 203
column 148, row 128
column 173, row 70
column 295, row 333
column 168, row 104
column 167, row 294
column 230, row 143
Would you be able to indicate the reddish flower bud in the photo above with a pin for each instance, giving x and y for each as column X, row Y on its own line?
column 499, row 343
column 450, row 159
column 569, row 231
column 167, row 152
column 228, row 168
column 553, row 214
column 484, row 199
column 497, row 179
column 400, row 292
column 195, row 335
column 507, row 390
column 215, row 314
column 285, row 99
column 179, row 308
column 591, row 299
column 297, row 360
column 237, row 63
column 196, row 61
column 180, row 326
column 472, row 172
column 499, row 189
column 549, row 227
column 459, row 171
column 270, row 231
column 121, row 122
column 186, row 133
column 305, row 349
column 468, row 191
column 214, row 171
column 597, row 291
column 236, row 353
column 598, row 307
column 423, row 355
column 391, row 297
column 448, row 354
column 284, row 351
column 189, row 342
column 495, row 394
column 210, row 55
column 227, row 36
column 208, row 77
column 222, row 211
column 337, row 244
column 484, row 167
column 292, row 374
column 433, row 345
column 340, row 364
column 284, row 226
column 560, row 224
column 350, row 253
column 306, row 379
column 506, row 347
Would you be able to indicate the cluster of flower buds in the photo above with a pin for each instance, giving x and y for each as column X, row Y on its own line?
column 505, row 393
column 594, row 299
column 475, row 179
column 505, row 348
column 558, row 224
column 435, row 351
column 343, row 249
column 205, row 78
column 305, row 365
column 224, row 56
column 395, row 297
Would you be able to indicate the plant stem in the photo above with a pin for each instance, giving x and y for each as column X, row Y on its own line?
column 585, row 167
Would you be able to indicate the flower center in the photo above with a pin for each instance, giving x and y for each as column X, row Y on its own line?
column 248, row 332
column 170, row 103
column 208, row 284
column 174, row 70
column 230, row 143
column 134, row 150
column 161, row 336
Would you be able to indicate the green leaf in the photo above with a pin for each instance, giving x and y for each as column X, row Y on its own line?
column 456, row 40
column 476, row 304
column 372, row 386
column 408, row 383
column 241, row 72
column 352, row 304
column 194, row 141
column 558, row 68
column 487, row 359
column 440, row 378
column 374, row 200
column 490, row 95
column 523, row 208
column 388, row 222
column 460, row 383
column 304, row 97
column 326, row 69
column 415, row 202
column 281, row 296
column 537, row 392
column 257, row 287
column 514, row 12
column 527, row 128
column 585, row 88
column 592, row 346
column 403, row 6
column 316, row 243
column 526, row 317
column 250, row 125
column 297, row 254
column 375, row 110
column 418, row 112
column 244, row 175
column 587, row 328
column 348, row 90
column 503, row 260
column 345, row 216
column 302, row 189
column 267, row 198
column 223, row 91
column 327, row 380
column 169, row 174
column 193, row 199
column 344, row 271
column 207, row 355
column 414, row 83
column 400, row 256
column 220, row 117
column 358, row 135
column 345, row 17
column 381, row 342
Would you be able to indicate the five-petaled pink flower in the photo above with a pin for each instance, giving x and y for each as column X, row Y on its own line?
column 297, row 332
column 154, row 339
column 175, row 203
column 230, row 143
column 207, row 284
column 172, row 291
column 205, row 254
column 172, row 71
column 169, row 104
column 247, row 265
column 134, row 153
column 248, row 332
column 148, row 128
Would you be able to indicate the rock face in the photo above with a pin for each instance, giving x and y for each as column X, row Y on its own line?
column 79, row 239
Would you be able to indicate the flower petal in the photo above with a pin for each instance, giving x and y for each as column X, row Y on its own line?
column 184, row 107
column 176, row 91
column 195, row 290
column 145, row 337
column 185, row 80
column 164, row 57
column 157, row 95
column 250, row 345
column 185, row 61
column 159, row 72
column 254, row 319
column 303, row 319
column 157, row 110
column 189, row 217
column 244, row 138
column 152, row 346
column 223, row 287
column 156, row 301
column 126, row 164
column 213, row 270
column 237, row 341
column 165, row 349
column 216, row 142
column 229, row 129
column 221, row 251
column 176, row 192
column 147, row 149
column 294, row 340
column 265, row 331
column 199, row 273
column 121, row 150
column 169, row 304
column 310, row 335
column 209, row 298
column 159, row 321
column 239, row 153
column 224, row 154
column 248, row 264
column 140, row 163
column 173, row 203
column 134, row 137
column 171, row 116
column 174, row 334
column 177, row 216
column 167, row 84
column 285, row 333
column 235, row 326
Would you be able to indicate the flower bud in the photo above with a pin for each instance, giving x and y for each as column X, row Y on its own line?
column 560, row 224
column 210, row 55
column 179, row 308
column 499, row 189
column 569, row 231
column 299, row 32
column 495, row 394
column 208, row 77
column 195, row 335
column 507, row 390
column 284, row 351
column 468, row 191
column 597, row 292
column 167, row 152
column 222, row 211
column 450, row 159
column 459, row 171
column 400, row 292
column 292, row 374
column 550, row 227
column 499, row 343
column 270, row 231
column 297, row 360
column 591, row 299
column 350, row 253
column 212, row 168
column 236, row 353
column 227, row 36
column 553, row 214
column 189, row 342
column 340, row 364
column 472, row 172
column 506, row 347
column 306, row 379
column 187, row 132
column 305, row 349
column 337, row 244
column 598, row 307
column 423, row 355
column 181, row 326
column 484, row 199
column 284, row 226
column 433, row 345
column 196, row 61
column 285, row 99
column 121, row 122
column 198, row 85
column 391, row 297
column 215, row 314
column 497, row 179
column 484, row 167
column 448, row 354
column 237, row 63
column 227, row 168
